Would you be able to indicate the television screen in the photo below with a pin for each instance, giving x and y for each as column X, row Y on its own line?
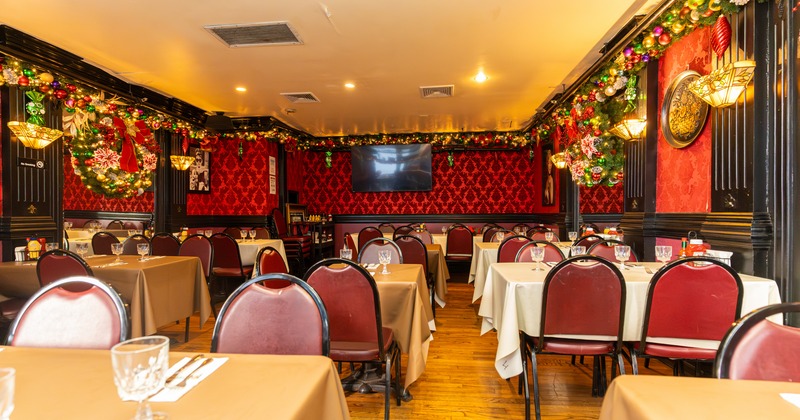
column 401, row 167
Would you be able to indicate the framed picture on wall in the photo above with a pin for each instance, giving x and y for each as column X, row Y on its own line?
column 200, row 171
column 548, row 177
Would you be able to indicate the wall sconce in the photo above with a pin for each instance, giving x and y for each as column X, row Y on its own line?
column 33, row 135
column 181, row 162
column 559, row 160
column 630, row 129
column 722, row 86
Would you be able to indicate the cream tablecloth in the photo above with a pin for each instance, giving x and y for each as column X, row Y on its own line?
column 78, row 384
column 512, row 299
column 483, row 254
column 248, row 249
column 84, row 233
column 159, row 291
column 438, row 267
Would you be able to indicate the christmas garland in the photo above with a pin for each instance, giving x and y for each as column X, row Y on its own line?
column 478, row 140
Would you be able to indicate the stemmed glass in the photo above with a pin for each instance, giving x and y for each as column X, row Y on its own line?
column 67, row 225
column 142, row 249
column 500, row 235
column 577, row 250
column 252, row 234
column 622, row 253
column 572, row 236
column 208, row 233
column 346, row 253
column 6, row 392
column 548, row 236
column 384, row 257
column 444, row 230
column 537, row 254
column 243, row 234
column 116, row 249
column 140, row 367
column 663, row 253
column 82, row 248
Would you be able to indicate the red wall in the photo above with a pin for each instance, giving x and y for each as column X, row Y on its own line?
column 77, row 197
column 602, row 199
column 480, row 183
column 683, row 183
column 238, row 187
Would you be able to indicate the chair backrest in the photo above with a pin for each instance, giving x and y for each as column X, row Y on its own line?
column 386, row 228
column 256, row 319
column 551, row 252
column 756, row 348
column 59, row 264
column 583, row 296
column 91, row 222
column 226, row 251
column 351, row 299
column 508, row 249
column 488, row 234
column 369, row 252
column 588, row 240
column 233, row 231
column 130, row 244
column 163, row 243
column 366, row 234
column 605, row 249
column 413, row 250
column 101, row 243
column 199, row 246
column 423, row 235
column 497, row 233
column 261, row 232
column 269, row 260
column 692, row 298
column 459, row 242
column 115, row 224
column 280, row 223
column 402, row 230
column 488, row 226
column 349, row 242
column 75, row 312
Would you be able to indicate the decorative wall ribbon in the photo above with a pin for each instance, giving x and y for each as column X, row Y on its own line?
column 131, row 133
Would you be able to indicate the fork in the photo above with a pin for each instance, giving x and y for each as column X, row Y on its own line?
column 194, row 373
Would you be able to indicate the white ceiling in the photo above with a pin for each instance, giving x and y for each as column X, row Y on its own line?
column 528, row 48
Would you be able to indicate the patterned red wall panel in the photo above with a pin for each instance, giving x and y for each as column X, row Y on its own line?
column 479, row 183
column 294, row 171
column 683, row 183
column 77, row 197
column 238, row 187
column 602, row 199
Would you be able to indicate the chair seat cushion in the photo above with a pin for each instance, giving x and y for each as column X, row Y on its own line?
column 10, row 308
column 677, row 352
column 577, row 347
column 358, row 351
column 458, row 257
column 230, row 272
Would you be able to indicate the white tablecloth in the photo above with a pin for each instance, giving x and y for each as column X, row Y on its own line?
column 84, row 233
column 248, row 249
column 512, row 299
column 483, row 254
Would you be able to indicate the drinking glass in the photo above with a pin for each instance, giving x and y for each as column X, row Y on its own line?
column 572, row 236
column 243, row 234
column 82, row 248
column 6, row 392
column 444, row 230
column 346, row 253
column 548, row 236
column 516, row 230
column 67, row 225
column 500, row 236
column 384, row 257
column 131, row 232
column 140, row 367
column 51, row 246
column 208, row 233
column 537, row 254
column 577, row 250
column 524, row 230
column 142, row 249
column 116, row 249
column 663, row 253
column 252, row 234
column 622, row 253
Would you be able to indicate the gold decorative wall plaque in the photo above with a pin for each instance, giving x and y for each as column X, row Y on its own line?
column 683, row 114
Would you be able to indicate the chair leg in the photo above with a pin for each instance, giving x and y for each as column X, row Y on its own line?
column 634, row 363
column 387, row 385
column 573, row 360
column 536, row 402
column 523, row 378
column 398, row 385
column 647, row 363
column 186, row 332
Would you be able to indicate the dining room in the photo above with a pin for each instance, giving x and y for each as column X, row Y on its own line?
column 487, row 152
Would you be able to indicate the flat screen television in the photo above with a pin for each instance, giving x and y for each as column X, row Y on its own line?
column 399, row 167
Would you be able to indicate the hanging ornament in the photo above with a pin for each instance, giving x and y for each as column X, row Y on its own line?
column 721, row 35
column 328, row 161
column 450, row 160
column 241, row 149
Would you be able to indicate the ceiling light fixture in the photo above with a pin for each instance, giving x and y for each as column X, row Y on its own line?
column 350, row 85
column 241, row 89
column 722, row 86
column 630, row 128
column 480, row 77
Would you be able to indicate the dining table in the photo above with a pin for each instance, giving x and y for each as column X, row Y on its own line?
column 651, row 397
column 512, row 298
column 248, row 249
column 158, row 290
column 73, row 383
column 86, row 233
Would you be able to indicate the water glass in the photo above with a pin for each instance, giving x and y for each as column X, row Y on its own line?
column 140, row 366
column 131, row 232
column 572, row 236
column 142, row 249
column 663, row 253
column 622, row 253
column 548, row 236
column 51, row 246
column 384, row 257
column 252, row 234
column 208, row 233
column 444, row 230
column 82, row 248
column 500, row 236
column 116, row 249
column 577, row 250
column 537, row 254
column 346, row 253
column 243, row 234
column 7, row 376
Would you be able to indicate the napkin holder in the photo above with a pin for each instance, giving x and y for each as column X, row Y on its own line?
column 721, row 256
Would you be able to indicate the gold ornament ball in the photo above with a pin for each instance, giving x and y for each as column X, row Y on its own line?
column 678, row 27
column 46, row 78
column 101, row 177
column 715, row 5
column 648, row 42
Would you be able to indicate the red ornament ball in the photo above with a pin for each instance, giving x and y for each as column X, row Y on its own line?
column 23, row 81
column 60, row 93
column 665, row 39
column 71, row 87
column 44, row 88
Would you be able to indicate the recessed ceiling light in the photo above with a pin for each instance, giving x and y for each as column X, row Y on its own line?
column 480, row 77
column 350, row 85
column 241, row 89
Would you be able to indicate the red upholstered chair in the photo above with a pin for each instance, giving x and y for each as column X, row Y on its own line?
column 605, row 249
column 227, row 260
column 459, row 244
column 366, row 234
column 75, row 312
column 259, row 318
column 695, row 298
column 101, row 243
column 582, row 297
column 297, row 247
column 551, row 252
column 501, row 232
column 423, row 235
column 489, row 233
column 369, row 252
column 261, row 232
column 386, row 228
column 540, row 234
column 354, row 312
column 115, row 224
column 588, row 240
column 757, row 348
column 130, row 244
column 402, row 230
column 415, row 252
column 59, row 264
column 163, row 243
column 269, row 261
column 233, row 231
column 199, row 246
column 350, row 243
column 507, row 252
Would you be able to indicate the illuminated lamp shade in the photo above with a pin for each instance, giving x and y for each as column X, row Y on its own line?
column 722, row 86
column 181, row 162
column 559, row 160
column 33, row 135
column 630, row 129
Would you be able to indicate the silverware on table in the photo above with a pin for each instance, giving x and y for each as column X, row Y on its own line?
column 182, row 368
column 194, row 371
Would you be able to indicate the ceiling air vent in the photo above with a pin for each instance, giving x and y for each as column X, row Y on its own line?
column 300, row 97
column 444, row 91
column 255, row 34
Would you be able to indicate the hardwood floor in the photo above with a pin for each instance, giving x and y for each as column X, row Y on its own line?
column 460, row 381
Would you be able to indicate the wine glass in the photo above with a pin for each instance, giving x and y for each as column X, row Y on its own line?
column 7, row 376
column 444, row 230
column 116, row 249
column 82, row 248
column 208, row 233
column 140, row 366
column 252, row 234
column 346, row 253
column 577, row 250
column 384, row 257
column 572, row 236
column 548, row 236
column 243, row 234
column 131, row 232
column 142, row 249
column 537, row 254
column 622, row 253
column 524, row 230
column 663, row 253
column 500, row 235
column 51, row 246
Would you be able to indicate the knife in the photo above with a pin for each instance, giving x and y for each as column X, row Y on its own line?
column 190, row 374
column 182, row 368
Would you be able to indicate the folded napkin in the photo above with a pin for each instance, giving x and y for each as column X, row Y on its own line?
column 794, row 399
column 633, row 267
column 173, row 393
column 110, row 264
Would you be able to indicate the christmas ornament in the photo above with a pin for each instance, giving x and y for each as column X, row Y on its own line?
column 721, row 35
column 328, row 162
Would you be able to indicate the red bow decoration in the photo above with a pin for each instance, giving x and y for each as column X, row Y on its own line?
column 140, row 133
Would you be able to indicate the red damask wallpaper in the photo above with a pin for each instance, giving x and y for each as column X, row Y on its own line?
column 77, row 197
column 602, row 199
column 684, row 175
column 479, row 183
column 238, row 187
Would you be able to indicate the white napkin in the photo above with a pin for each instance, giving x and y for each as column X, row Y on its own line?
column 630, row 267
column 172, row 394
column 794, row 399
